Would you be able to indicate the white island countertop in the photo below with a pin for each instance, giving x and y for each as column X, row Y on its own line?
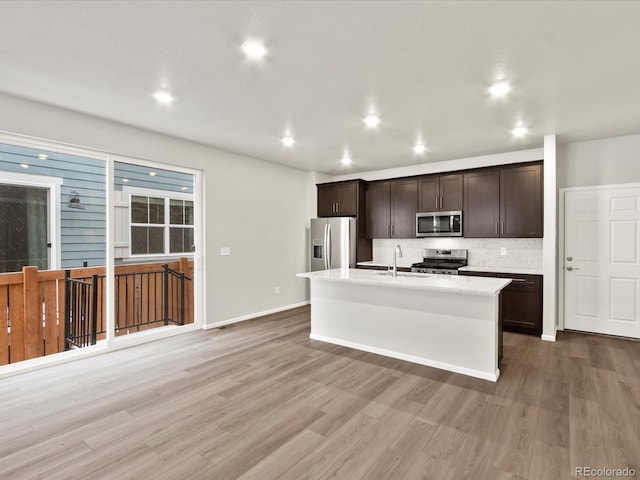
column 416, row 281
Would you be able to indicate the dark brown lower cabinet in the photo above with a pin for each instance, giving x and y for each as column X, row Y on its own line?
column 521, row 302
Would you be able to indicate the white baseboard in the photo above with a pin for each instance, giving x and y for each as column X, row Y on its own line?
column 255, row 315
column 493, row 377
column 550, row 338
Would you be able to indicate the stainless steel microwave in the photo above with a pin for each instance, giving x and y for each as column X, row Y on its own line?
column 439, row 224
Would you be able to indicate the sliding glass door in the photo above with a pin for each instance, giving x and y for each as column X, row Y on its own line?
column 154, row 247
column 92, row 249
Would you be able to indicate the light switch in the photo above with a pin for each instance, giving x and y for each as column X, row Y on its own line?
column 503, row 251
column 225, row 251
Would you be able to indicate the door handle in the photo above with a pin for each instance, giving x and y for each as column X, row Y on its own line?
column 329, row 243
column 436, row 203
column 497, row 223
column 440, row 203
column 502, row 228
column 570, row 268
column 392, row 230
column 325, row 248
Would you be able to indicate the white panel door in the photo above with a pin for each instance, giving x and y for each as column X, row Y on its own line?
column 602, row 261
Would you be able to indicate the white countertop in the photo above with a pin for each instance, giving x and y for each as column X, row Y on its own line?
column 514, row 270
column 443, row 283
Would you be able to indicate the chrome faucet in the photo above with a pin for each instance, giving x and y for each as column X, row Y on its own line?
column 396, row 249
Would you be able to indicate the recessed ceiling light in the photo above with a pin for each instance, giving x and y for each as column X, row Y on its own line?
column 346, row 159
column 288, row 141
column 419, row 148
column 163, row 96
column 499, row 89
column 125, row 180
column 43, row 156
column 24, row 165
column 254, row 49
column 185, row 188
column 519, row 131
column 372, row 120
column 153, row 174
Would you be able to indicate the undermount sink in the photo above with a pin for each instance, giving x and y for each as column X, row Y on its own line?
column 405, row 274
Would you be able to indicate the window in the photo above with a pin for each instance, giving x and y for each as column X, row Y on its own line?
column 161, row 225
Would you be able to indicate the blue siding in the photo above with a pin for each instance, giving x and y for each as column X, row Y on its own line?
column 83, row 232
column 138, row 176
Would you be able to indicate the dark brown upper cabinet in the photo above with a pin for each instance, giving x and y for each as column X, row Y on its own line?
column 391, row 208
column 378, row 208
column 481, row 213
column 521, row 201
column 440, row 193
column 338, row 199
column 503, row 202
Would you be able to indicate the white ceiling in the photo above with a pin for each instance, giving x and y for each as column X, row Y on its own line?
column 423, row 66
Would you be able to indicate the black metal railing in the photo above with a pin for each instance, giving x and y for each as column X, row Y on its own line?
column 81, row 307
column 142, row 299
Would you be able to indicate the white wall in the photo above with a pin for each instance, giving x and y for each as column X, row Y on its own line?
column 257, row 208
column 599, row 162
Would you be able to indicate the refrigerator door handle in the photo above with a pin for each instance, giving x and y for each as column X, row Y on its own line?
column 324, row 247
column 329, row 235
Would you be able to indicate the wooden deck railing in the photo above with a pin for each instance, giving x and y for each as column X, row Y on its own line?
column 32, row 306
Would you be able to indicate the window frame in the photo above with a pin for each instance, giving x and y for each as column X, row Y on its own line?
column 167, row 196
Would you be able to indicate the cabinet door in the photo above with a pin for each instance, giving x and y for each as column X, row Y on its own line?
column 428, row 193
column 522, row 304
column 521, row 201
column 451, row 192
column 481, row 214
column 327, row 200
column 404, row 199
column 347, row 199
column 378, row 202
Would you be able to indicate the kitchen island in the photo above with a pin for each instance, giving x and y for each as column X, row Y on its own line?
column 447, row 322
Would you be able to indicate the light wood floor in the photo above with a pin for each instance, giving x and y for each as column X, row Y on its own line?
column 259, row 400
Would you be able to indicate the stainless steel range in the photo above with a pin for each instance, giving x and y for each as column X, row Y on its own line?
column 440, row 261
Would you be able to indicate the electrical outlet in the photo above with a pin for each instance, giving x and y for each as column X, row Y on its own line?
column 277, row 290
column 224, row 251
column 503, row 251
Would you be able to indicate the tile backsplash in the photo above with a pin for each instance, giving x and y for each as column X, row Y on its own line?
column 521, row 252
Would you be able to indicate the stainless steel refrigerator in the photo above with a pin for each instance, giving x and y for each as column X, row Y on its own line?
column 333, row 243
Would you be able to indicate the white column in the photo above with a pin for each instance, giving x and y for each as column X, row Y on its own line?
column 550, row 241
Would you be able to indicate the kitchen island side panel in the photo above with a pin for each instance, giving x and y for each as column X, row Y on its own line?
column 453, row 331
